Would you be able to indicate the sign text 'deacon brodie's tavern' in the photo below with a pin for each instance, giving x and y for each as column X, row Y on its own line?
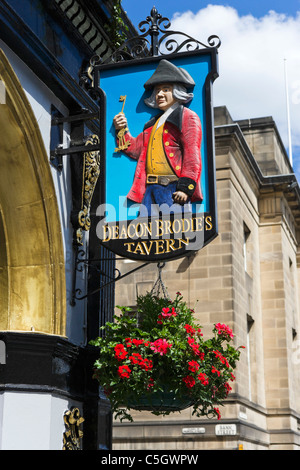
column 156, row 237
column 158, row 175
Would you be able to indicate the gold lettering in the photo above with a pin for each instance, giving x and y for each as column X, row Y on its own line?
column 138, row 233
column 129, row 230
column 123, row 232
column 184, row 222
column 179, row 226
column 115, row 232
column 139, row 249
column 129, row 246
column 145, row 245
column 208, row 221
column 159, row 228
column 170, row 245
column 159, row 246
column 106, row 227
column 199, row 224
column 168, row 228
column 147, row 228
column 185, row 242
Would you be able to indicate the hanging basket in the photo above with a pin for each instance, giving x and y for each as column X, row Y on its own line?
column 164, row 401
column 156, row 359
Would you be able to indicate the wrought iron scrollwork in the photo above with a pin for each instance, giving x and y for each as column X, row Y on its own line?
column 91, row 172
column 77, row 295
column 150, row 43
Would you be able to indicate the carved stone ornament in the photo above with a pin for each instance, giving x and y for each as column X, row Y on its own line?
column 91, row 172
column 73, row 433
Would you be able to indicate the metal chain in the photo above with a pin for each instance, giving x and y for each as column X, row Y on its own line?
column 159, row 285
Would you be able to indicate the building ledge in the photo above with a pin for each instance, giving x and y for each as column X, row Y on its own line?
column 286, row 183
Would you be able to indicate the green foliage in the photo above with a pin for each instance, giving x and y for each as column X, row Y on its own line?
column 160, row 348
column 116, row 28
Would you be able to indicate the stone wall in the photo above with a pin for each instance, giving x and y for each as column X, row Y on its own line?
column 247, row 278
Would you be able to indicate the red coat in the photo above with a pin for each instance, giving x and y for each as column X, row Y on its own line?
column 182, row 141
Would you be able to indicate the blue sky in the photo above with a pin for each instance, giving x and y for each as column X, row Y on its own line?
column 259, row 59
column 138, row 9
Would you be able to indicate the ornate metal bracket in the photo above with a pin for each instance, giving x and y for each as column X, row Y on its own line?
column 73, row 433
column 74, row 148
column 150, row 43
column 89, row 150
column 86, row 171
column 82, row 263
column 91, row 172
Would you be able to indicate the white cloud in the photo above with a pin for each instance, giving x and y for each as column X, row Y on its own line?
column 251, row 79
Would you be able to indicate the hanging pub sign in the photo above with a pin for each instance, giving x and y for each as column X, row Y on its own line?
column 158, row 172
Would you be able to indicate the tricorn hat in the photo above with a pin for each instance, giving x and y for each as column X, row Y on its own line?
column 166, row 72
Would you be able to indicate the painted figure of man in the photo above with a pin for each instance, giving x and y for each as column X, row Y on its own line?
column 168, row 150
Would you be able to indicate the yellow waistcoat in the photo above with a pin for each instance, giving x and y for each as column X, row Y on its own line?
column 157, row 163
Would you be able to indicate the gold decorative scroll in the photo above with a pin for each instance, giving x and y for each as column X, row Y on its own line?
column 91, row 172
column 73, row 433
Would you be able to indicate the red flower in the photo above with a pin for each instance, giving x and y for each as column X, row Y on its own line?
column 120, row 352
column 124, row 372
column 160, row 346
column 189, row 381
column 193, row 366
column 165, row 313
column 189, row 329
column 195, row 348
column 228, row 388
column 218, row 413
column 137, row 342
column 150, row 383
column 215, row 371
column 224, row 330
column 203, row 378
column 135, row 358
column 146, row 364
column 222, row 358
column 128, row 342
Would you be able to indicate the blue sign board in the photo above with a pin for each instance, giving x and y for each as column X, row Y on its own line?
column 158, row 171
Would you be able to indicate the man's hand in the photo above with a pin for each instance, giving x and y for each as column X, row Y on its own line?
column 120, row 121
column 179, row 197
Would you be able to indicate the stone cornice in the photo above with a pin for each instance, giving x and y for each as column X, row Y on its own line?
column 285, row 183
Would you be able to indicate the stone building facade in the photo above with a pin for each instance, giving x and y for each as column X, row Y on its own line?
column 247, row 278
